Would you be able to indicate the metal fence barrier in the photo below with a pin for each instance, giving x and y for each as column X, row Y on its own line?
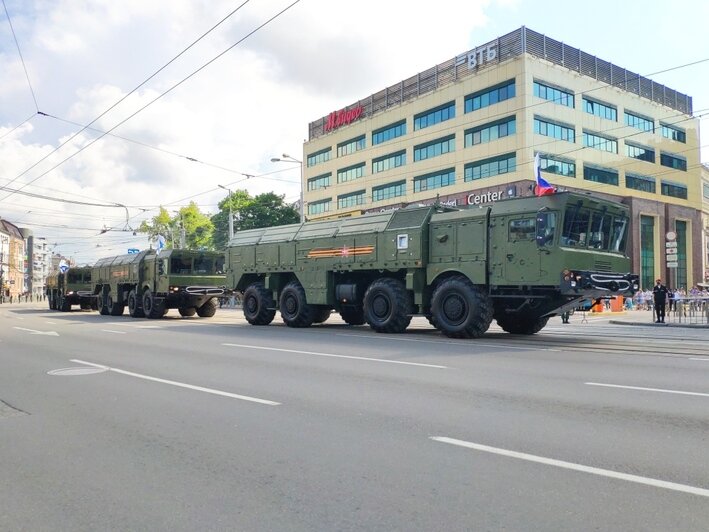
column 689, row 310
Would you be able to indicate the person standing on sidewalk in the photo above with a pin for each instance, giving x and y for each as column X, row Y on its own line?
column 659, row 298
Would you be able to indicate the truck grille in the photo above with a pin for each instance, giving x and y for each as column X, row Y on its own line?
column 602, row 266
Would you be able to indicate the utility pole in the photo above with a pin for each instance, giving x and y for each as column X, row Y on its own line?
column 231, row 216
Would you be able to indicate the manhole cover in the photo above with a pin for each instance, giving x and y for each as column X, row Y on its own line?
column 64, row 372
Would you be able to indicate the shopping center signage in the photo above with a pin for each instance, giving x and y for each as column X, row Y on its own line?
column 478, row 56
column 343, row 117
column 487, row 197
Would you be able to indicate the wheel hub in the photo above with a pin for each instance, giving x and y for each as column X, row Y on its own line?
column 291, row 305
column 454, row 308
column 380, row 306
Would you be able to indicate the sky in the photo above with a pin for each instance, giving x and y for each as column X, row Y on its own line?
column 245, row 93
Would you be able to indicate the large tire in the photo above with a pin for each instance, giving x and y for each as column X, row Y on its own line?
column 187, row 312
column 114, row 307
column 258, row 305
column 321, row 314
column 518, row 324
column 134, row 308
column 208, row 309
column 64, row 304
column 294, row 308
column 352, row 315
column 152, row 307
column 102, row 305
column 50, row 301
column 387, row 306
column 459, row 309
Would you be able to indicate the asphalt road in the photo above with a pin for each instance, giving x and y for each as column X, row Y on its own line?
column 212, row 424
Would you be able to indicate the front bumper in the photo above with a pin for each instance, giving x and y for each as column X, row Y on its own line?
column 598, row 284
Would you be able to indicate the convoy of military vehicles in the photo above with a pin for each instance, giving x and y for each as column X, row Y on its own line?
column 517, row 261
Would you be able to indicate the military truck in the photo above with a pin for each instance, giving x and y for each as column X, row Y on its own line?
column 72, row 287
column 518, row 261
column 150, row 283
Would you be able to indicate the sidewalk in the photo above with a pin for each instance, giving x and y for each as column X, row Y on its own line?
column 647, row 318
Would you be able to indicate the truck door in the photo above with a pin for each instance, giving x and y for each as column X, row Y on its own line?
column 518, row 250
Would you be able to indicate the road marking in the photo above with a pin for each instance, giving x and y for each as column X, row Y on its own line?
column 114, row 332
column 181, row 384
column 661, row 390
column 337, row 356
column 32, row 331
column 469, row 343
column 575, row 467
column 149, row 327
column 50, row 323
column 700, row 359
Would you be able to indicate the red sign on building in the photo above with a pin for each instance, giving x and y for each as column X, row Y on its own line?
column 343, row 117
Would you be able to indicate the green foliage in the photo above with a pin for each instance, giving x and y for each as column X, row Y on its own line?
column 197, row 226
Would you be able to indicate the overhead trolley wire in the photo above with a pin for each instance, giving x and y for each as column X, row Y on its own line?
column 22, row 59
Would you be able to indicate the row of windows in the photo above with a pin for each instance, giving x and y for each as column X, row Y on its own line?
column 554, row 130
column 490, row 132
column 490, row 96
column 319, row 157
column 350, row 173
column 639, row 122
column 389, row 132
column 439, row 179
column 603, row 110
column 609, row 176
column 350, row 146
column 434, row 116
column 599, row 142
column 557, row 165
column 490, row 167
column 553, row 94
column 642, row 153
column 434, row 148
column 387, row 162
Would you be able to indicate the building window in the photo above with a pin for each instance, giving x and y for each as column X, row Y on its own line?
column 434, row 116
column 490, row 96
column 674, row 190
column 560, row 96
column 639, row 152
column 350, row 173
column 350, row 146
column 319, row 207
column 319, row 157
column 389, row 132
column 647, row 252
column 599, row 142
column 705, row 191
column 600, row 175
column 491, row 167
column 603, row 110
column 681, row 274
column 550, row 129
column 640, row 182
column 434, row 148
column 439, row 179
column 491, row 131
column 345, row 201
column 392, row 190
column 557, row 165
column 639, row 122
column 387, row 162
column 320, row 181
column 673, row 161
column 674, row 133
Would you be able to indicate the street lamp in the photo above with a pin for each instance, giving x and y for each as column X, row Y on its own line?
column 231, row 217
column 285, row 158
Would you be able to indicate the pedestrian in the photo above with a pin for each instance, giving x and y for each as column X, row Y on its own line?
column 671, row 299
column 659, row 298
column 565, row 316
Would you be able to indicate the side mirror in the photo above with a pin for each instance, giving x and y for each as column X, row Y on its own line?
column 161, row 267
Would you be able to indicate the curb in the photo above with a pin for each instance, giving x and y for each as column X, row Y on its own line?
column 672, row 325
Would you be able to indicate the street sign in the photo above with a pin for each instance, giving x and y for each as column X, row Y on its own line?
column 671, row 251
column 671, row 235
column 673, row 264
column 670, row 244
column 132, row 251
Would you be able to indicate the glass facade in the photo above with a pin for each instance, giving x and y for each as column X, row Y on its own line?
column 639, row 152
column 434, row 148
column 490, row 96
column 557, row 165
column 434, row 116
column 392, row 190
column 345, row 201
column 604, row 110
column 491, row 131
column 673, row 161
column 560, row 96
column 491, row 167
column 319, row 157
column 320, row 181
column 438, row 179
column 681, row 273
column 319, row 207
column 674, row 190
column 639, row 122
column 389, row 132
column 550, row 129
column 387, row 162
column 674, row 133
column 350, row 173
column 606, row 176
column 640, row 182
column 599, row 142
column 350, row 146
column 647, row 252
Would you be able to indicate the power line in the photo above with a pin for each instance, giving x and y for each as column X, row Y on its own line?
column 21, row 58
column 20, row 124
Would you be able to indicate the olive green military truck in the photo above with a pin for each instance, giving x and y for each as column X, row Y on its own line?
column 149, row 283
column 72, row 287
column 518, row 261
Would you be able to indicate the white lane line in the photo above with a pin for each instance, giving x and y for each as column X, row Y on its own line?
column 114, row 332
column 51, row 322
column 180, row 384
column 660, row 390
column 469, row 343
column 385, row 361
column 576, row 467
column 700, row 359
column 149, row 327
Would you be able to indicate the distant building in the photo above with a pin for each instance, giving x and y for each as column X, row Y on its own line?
column 13, row 259
column 41, row 264
column 705, row 220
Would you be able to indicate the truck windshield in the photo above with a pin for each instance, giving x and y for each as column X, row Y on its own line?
column 594, row 229
column 203, row 265
column 180, row 265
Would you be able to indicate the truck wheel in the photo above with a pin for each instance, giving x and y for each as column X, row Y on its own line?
column 114, row 308
column 258, row 305
column 321, row 314
column 151, row 306
column 294, row 308
column 187, row 312
column 208, row 310
column 134, row 308
column 352, row 315
column 517, row 324
column 64, row 304
column 459, row 309
column 50, row 302
column 102, row 306
column 387, row 306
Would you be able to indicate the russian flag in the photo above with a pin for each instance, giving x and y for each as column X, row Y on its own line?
column 543, row 188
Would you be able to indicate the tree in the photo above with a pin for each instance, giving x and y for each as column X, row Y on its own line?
column 263, row 210
column 159, row 225
column 197, row 226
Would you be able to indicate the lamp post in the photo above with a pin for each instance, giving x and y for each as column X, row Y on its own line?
column 285, row 158
column 231, row 217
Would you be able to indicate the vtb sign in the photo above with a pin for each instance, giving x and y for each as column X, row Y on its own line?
column 343, row 117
